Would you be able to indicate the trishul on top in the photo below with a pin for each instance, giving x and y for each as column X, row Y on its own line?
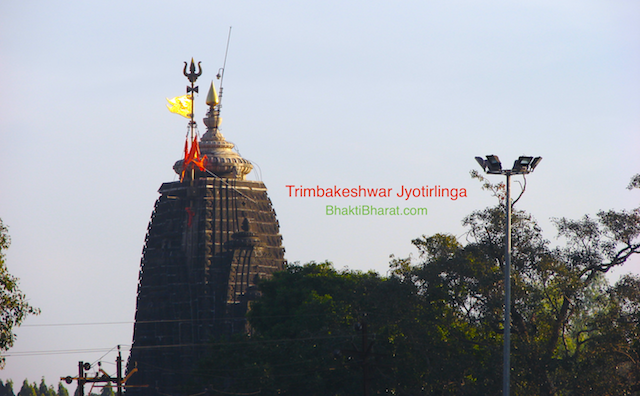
column 192, row 76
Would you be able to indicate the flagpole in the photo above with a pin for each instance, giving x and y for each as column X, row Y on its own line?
column 192, row 76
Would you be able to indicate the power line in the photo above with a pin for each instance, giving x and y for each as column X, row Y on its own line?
column 57, row 352
column 75, row 324
column 107, row 350
column 159, row 321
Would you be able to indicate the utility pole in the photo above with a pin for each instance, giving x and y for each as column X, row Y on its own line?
column 364, row 354
column 82, row 377
column 119, row 372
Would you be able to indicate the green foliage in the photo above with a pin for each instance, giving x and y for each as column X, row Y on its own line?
column 107, row 390
column 305, row 340
column 33, row 389
column 306, row 314
column 28, row 389
column 435, row 324
column 6, row 389
column 44, row 390
column 13, row 304
column 62, row 391
column 570, row 337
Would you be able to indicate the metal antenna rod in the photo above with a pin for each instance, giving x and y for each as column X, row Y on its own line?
column 224, row 64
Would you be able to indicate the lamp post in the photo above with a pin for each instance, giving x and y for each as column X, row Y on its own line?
column 521, row 166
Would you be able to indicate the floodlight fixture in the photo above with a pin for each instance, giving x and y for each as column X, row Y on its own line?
column 535, row 163
column 521, row 165
column 482, row 163
column 493, row 162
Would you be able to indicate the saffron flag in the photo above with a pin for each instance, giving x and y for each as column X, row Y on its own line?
column 193, row 156
column 180, row 105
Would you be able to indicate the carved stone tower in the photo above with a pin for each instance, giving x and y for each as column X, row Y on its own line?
column 212, row 235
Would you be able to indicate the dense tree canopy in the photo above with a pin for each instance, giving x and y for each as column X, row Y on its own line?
column 433, row 326
column 13, row 304
column 32, row 389
column 6, row 389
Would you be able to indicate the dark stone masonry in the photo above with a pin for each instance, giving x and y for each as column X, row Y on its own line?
column 211, row 237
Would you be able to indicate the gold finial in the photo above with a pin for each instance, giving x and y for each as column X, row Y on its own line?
column 212, row 96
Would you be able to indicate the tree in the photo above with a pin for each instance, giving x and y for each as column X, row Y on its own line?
column 562, row 307
column 27, row 389
column 14, row 307
column 62, row 391
column 305, row 315
column 6, row 389
column 44, row 390
column 33, row 389
column 107, row 390
column 435, row 323
column 318, row 331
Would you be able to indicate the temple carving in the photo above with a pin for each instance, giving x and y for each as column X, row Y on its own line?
column 211, row 237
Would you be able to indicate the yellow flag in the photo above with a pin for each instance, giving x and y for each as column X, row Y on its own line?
column 180, row 105
column 212, row 96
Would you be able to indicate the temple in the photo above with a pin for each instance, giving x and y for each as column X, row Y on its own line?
column 211, row 237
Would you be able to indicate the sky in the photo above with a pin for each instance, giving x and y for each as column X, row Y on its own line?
column 322, row 94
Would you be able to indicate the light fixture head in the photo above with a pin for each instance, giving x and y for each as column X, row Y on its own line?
column 522, row 164
column 535, row 163
column 482, row 163
column 493, row 163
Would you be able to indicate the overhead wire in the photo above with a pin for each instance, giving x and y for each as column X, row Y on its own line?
column 108, row 350
column 158, row 321
column 100, row 358
column 56, row 352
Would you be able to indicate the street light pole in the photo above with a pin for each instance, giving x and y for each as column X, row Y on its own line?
column 521, row 166
column 506, row 355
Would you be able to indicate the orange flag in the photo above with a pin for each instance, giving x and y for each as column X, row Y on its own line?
column 193, row 156
column 198, row 159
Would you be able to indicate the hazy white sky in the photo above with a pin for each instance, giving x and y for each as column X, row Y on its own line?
column 323, row 93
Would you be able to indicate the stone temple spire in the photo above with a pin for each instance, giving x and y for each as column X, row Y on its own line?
column 211, row 237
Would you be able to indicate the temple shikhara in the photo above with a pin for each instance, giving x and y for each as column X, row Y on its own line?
column 212, row 235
